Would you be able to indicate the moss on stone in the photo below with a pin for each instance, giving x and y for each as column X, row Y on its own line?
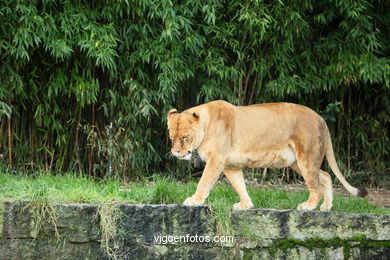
column 356, row 241
column 73, row 228
column 247, row 254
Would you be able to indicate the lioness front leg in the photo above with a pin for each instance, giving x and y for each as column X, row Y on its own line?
column 210, row 175
column 236, row 179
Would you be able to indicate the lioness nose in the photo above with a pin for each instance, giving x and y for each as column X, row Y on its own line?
column 176, row 153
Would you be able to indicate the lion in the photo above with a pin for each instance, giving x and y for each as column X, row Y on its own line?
column 270, row 135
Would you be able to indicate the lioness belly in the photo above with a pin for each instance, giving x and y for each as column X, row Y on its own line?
column 264, row 159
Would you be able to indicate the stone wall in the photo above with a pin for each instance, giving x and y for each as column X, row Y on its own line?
column 75, row 231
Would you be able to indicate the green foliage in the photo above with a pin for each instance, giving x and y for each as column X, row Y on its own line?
column 70, row 71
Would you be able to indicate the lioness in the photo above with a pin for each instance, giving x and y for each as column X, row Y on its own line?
column 230, row 138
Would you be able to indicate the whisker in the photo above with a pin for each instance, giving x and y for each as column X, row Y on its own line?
column 169, row 155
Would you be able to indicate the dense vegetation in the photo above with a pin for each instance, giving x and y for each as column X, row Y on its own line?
column 85, row 85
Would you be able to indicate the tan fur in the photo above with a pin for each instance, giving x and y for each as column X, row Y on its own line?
column 230, row 138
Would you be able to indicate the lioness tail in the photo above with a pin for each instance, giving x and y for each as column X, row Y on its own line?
column 361, row 192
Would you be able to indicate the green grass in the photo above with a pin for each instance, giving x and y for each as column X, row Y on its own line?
column 70, row 188
column 44, row 189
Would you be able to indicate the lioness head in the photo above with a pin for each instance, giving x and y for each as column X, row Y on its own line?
column 185, row 132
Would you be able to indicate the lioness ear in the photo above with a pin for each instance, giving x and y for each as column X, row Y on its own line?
column 170, row 113
column 195, row 115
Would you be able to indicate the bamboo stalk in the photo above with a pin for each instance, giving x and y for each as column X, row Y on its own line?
column 78, row 161
column 1, row 139
column 253, row 91
column 92, row 140
column 265, row 173
column 10, row 163
column 349, row 132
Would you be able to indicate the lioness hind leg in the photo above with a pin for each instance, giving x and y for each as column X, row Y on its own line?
column 312, row 181
column 236, row 179
column 326, row 185
column 311, row 177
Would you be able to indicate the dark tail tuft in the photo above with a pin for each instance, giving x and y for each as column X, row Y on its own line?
column 362, row 192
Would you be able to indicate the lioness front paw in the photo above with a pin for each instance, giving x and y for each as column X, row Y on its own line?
column 191, row 201
column 306, row 206
column 325, row 206
column 242, row 206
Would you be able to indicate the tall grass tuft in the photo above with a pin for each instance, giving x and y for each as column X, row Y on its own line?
column 42, row 208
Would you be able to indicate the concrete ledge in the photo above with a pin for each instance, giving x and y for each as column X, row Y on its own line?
column 258, row 234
